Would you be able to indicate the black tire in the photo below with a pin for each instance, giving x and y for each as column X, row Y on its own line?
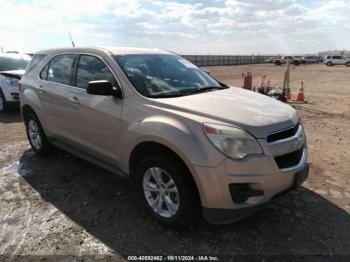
column 329, row 64
column 347, row 64
column 188, row 208
column 277, row 63
column 3, row 103
column 45, row 147
column 296, row 63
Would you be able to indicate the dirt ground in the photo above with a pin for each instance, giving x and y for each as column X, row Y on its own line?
column 63, row 206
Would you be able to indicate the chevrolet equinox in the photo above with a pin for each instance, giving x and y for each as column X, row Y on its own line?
column 190, row 144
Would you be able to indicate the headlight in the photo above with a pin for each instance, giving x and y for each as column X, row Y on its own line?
column 11, row 81
column 234, row 142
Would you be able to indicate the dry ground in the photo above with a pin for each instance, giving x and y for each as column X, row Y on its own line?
column 65, row 206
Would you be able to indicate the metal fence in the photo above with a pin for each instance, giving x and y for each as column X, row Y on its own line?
column 218, row 60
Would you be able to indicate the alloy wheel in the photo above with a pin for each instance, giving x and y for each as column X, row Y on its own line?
column 161, row 192
column 34, row 134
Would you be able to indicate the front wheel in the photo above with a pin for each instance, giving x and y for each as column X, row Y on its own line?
column 3, row 104
column 166, row 190
column 347, row 64
column 329, row 64
column 36, row 135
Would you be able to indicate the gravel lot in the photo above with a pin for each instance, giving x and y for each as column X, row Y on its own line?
column 63, row 206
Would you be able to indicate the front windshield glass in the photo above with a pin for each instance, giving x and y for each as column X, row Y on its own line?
column 13, row 62
column 163, row 75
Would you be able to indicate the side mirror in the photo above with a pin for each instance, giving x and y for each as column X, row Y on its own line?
column 103, row 88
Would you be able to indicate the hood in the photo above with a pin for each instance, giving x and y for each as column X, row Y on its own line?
column 13, row 73
column 256, row 113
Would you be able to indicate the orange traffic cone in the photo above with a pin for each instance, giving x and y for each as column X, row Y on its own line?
column 300, row 95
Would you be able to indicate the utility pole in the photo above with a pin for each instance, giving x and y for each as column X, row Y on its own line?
column 2, row 50
column 71, row 39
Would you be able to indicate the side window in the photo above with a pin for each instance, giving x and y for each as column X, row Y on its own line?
column 91, row 68
column 43, row 74
column 60, row 69
column 336, row 57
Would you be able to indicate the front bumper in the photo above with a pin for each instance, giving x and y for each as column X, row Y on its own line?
column 236, row 188
column 225, row 216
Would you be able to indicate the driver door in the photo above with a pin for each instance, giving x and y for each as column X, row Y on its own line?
column 97, row 124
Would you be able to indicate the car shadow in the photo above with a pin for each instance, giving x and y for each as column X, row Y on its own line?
column 12, row 115
column 106, row 206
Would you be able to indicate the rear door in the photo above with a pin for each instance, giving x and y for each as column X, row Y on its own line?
column 337, row 60
column 344, row 59
column 97, row 119
column 56, row 85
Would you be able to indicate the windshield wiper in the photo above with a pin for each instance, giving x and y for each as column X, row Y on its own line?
column 187, row 92
column 166, row 95
column 206, row 89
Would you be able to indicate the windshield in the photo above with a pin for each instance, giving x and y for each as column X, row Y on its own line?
column 163, row 75
column 10, row 62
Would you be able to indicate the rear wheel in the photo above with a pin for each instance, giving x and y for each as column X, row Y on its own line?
column 166, row 192
column 347, row 64
column 3, row 103
column 36, row 135
column 277, row 63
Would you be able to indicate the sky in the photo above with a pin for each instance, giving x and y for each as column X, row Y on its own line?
column 182, row 26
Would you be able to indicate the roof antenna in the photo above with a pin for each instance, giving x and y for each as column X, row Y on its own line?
column 71, row 39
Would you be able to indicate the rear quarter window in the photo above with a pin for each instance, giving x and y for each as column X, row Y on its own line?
column 36, row 59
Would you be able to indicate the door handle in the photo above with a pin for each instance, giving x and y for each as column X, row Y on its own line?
column 74, row 100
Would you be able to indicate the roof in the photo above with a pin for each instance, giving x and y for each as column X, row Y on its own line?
column 110, row 50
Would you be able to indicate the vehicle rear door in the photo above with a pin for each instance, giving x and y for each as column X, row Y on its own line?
column 56, row 85
column 337, row 60
column 344, row 59
column 97, row 119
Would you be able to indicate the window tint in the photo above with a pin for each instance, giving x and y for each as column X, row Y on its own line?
column 43, row 74
column 91, row 68
column 34, row 61
column 60, row 69
column 336, row 57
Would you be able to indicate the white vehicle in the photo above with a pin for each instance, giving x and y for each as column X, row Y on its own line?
column 283, row 60
column 337, row 60
column 11, row 70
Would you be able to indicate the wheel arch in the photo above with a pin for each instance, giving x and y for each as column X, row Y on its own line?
column 147, row 148
column 27, row 109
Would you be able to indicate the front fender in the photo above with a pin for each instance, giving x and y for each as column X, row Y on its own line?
column 186, row 138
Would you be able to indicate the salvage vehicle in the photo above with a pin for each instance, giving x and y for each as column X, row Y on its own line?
column 192, row 145
column 311, row 59
column 12, row 67
column 336, row 60
column 283, row 60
